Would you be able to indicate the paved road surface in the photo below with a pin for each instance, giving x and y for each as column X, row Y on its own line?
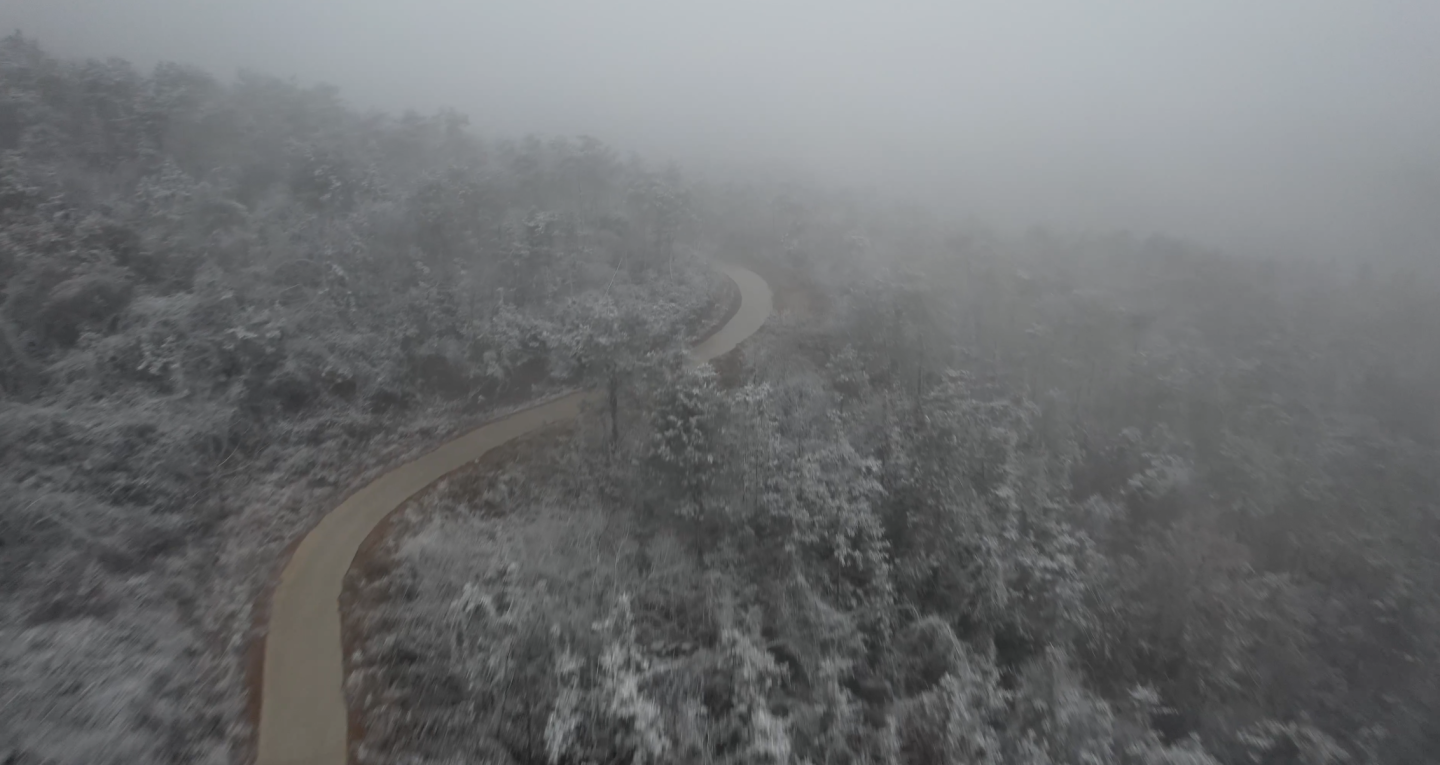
column 302, row 705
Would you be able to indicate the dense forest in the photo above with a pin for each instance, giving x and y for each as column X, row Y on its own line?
column 1097, row 499
column 224, row 304
column 968, row 497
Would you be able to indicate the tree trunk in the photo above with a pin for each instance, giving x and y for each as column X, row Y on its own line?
column 614, row 409
column 699, row 536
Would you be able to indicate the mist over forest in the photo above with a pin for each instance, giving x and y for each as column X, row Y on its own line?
column 1005, row 383
column 1300, row 130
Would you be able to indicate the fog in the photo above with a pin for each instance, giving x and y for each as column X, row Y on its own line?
column 327, row 434
column 1293, row 128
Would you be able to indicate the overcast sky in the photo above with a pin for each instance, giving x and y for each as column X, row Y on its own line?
column 1310, row 124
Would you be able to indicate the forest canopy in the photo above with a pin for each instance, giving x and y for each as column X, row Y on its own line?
column 969, row 496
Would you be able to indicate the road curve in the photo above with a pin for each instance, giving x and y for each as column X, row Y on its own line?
column 303, row 717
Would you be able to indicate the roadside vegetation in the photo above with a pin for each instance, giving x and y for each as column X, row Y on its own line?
column 226, row 302
column 996, row 500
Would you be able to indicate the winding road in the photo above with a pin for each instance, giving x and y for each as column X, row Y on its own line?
column 303, row 719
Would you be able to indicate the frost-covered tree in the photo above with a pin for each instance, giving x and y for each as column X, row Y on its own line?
column 686, row 418
column 217, row 297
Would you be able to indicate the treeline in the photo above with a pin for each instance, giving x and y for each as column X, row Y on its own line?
column 214, row 297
